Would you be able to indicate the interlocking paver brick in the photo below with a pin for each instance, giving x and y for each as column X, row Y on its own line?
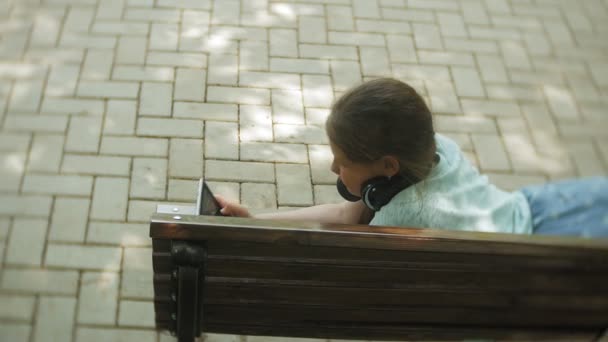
column 189, row 85
column 442, row 97
column 14, row 142
column 312, row 30
column 186, row 60
column 221, row 141
column 223, row 69
column 355, row 38
column 83, row 257
column 468, row 82
column 57, row 184
column 452, row 25
column 26, row 242
column 62, row 80
column 136, row 313
column 97, row 298
column 86, row 334
column 427, row 36
column 586, row 159
column 40, row 281
column 26, row 96
column 131, row 146
column 148, row 178
column 488, row 107
column 287, row 106
column 283, row 42
column 120, row 117
column 182, row 190
column 269, row 80
column 110, row 198
column 226, row 12
column 181, row 128
column 316, row 116
column 239, row 171
column 140, row 211
column 152, row 14
column 421, row 72
column 305, row 134
column 69, row 220
column 83, row 134
column 240, row 95
column 383, row 26
column 340, row 18
column 561, row 103
column 108, row 89
column 326, row 194
column 97, row 64
column 317, row 91
column 72, row 106
column 328, row 51
column 186, row 157
column 273, row 152
column 253, row 55
column 492, row 68
column 239, row 32
column 255, row 123
column 156, row 99
column 366, row 8
column 345, row 74
column 17, row 307
column 301, row 65
column 374, row 61
column 131, row 50
column 205, row 111
column 259, row 196
column 123, row 234
column 83, row 40
column 446, row 58
column 27, row 205
column 137, row 275
column 294, row 185
column 491, row 152
column 401, row 49
column 137, row 73
column 120, row 27
column 512, row 182
column 46, row 153
column 55, row 318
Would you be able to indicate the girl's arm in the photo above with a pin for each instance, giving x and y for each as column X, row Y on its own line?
column 346, row 213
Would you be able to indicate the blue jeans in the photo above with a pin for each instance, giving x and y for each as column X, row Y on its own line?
column 571, row 207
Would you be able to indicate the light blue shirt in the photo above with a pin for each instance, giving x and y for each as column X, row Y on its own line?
column 455, row 196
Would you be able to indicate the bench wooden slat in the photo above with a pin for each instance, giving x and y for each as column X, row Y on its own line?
column 413, row 332
column 368, row 237
column 464, row 316
column 234, row 291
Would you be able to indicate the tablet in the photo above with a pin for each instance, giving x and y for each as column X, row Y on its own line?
column 206, row 204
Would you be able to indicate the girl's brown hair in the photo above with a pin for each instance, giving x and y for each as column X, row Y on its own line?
column 384, row 117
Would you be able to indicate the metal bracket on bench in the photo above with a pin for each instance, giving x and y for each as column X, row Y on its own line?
column 189, row 259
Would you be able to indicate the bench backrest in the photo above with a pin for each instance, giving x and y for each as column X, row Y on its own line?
column 383, row 283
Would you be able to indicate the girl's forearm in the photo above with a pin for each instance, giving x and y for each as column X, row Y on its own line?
column 344, row 213
column 324, row 213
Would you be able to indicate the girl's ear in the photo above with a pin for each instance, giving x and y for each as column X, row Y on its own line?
column 391, row 166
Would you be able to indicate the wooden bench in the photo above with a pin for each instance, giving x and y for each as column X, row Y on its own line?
column 259, row 277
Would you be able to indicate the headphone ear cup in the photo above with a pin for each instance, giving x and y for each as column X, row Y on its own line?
column 372, row 192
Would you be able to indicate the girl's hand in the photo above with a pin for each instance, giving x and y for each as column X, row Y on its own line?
column 232, row 209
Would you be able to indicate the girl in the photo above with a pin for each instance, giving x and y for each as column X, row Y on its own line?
column 394, row 170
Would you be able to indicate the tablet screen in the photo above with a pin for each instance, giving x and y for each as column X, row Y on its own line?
column 206, row 203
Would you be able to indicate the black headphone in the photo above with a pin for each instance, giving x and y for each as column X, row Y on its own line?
column 378, row 191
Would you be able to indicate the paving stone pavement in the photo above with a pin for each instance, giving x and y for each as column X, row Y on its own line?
column 110, row 107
